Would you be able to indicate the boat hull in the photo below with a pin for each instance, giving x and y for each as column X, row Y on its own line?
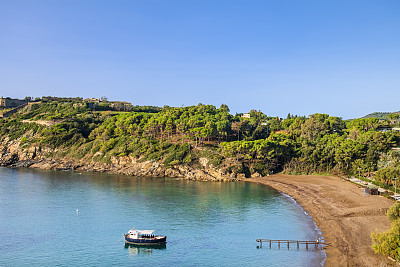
column 149, row 246
column 157, row 240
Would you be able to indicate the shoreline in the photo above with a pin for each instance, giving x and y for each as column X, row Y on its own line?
column 338, row 208
column 345, row 217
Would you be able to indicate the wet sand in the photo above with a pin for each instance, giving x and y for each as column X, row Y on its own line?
column 345, row 216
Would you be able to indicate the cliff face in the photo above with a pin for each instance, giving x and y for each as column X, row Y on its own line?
column 12, row 154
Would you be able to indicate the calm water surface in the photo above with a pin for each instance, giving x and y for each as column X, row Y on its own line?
column 207, row 224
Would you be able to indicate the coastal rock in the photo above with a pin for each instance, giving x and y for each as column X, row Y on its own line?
column 203, row 162
column 11, row 159
column 173, row 173
column 241, row 176
column 13, row 154
column 23, row 164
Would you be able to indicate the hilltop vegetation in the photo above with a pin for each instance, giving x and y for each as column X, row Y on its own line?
column 380, row 115
column 245, row 145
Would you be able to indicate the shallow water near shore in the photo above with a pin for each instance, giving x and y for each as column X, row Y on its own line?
column 50, row 218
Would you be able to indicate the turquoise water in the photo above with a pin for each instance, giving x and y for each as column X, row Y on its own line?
column 207, row 224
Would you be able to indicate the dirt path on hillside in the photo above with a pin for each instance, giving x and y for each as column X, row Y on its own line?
column 42, row 122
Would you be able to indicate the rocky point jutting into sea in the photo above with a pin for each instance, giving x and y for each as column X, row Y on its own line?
column 38, row 156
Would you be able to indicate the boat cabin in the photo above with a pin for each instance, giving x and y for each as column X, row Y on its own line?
column 136, row 234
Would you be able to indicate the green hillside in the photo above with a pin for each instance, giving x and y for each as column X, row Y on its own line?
column 380, row 115
column 255, row 143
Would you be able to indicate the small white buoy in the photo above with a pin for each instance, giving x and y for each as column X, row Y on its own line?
column 77, row 211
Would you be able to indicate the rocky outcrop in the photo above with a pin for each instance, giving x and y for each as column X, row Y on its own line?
column 12, row 154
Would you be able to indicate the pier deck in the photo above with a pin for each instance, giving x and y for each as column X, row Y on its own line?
column 317, row 243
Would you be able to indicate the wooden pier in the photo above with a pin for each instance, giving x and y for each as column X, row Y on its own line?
column 317, row 243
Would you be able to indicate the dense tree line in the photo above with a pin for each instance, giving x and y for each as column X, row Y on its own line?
column 255, row 142
column 319, row 143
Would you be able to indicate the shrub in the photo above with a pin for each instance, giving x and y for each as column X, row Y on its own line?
column 393, row 212
column 213, row 157
column 388, row 243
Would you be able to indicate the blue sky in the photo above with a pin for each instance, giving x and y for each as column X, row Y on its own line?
column 278, row 56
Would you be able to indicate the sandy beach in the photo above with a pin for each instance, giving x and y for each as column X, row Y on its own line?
column 346, row 217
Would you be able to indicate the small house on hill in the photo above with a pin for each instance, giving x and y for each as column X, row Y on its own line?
column 121, row 106
column 96, row 100
column 11, row 102
column 386, row 128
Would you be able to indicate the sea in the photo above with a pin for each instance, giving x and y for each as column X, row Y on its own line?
column 57, row 218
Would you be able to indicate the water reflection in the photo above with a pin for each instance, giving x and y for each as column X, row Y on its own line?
column 134, row 250
column 202, row 200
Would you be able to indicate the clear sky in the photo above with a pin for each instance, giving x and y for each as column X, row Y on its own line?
column 278, row 56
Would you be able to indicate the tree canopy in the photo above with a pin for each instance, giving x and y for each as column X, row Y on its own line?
column 255, row 142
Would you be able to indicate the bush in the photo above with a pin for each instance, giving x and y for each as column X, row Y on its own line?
column 80, row 152
column 239, row 168
column 96, row 147
column 154, row 156
column 393, row 212
column 261, row 168
column 106, row 158
column 176, row 154
column 23, row 141
column 388, row 243
column 174, row 162
column 213, row 157
column 385, row 175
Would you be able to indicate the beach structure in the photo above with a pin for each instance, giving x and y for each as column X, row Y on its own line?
column 317, row 243
column 372, row 190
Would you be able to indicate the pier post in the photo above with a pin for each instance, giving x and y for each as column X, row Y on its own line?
column 270, row 242
column 297, row 244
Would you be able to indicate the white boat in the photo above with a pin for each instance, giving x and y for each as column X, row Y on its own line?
column 144, row 237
